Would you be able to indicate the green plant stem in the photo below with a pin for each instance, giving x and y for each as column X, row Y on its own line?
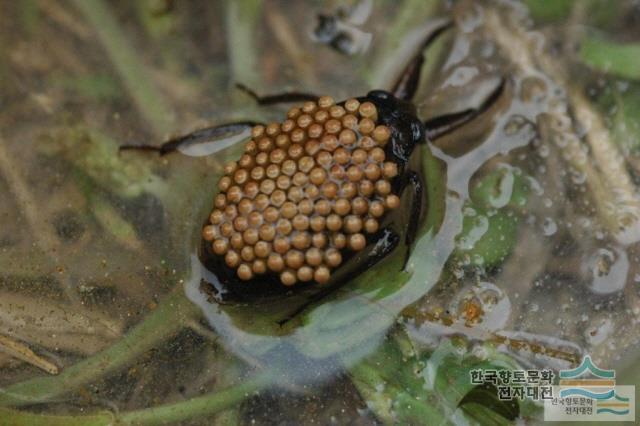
column 205, row 405
column 241, row 21
column 200, row 406
column 150, row 103
column 9, row 417
column 368, row 381
column 169, row 318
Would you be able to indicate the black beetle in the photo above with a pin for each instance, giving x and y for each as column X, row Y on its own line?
column 239, row 262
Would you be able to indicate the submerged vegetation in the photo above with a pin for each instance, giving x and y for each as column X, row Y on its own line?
column 533, row 212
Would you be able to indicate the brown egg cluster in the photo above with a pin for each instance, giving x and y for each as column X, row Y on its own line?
column 305, row 190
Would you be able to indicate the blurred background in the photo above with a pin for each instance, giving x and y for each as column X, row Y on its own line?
column 536, row 249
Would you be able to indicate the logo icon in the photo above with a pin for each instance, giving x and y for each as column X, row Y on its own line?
column 590, row 393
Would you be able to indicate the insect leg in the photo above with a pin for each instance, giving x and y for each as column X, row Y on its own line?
column 447, row 123
column 407, row 83
column 278, row 97
column 191, row 140
column 386, row 240
column 415, row 211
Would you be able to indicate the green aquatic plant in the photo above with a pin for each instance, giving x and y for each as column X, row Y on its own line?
column 205, row 405
column 94, row 155
column 491, row 217
column 403, row 385
column 151, row 105
column 618, row 59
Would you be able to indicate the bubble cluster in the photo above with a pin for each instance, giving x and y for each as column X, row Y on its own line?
column 304, row 192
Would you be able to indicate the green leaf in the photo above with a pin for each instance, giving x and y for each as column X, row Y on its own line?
column 621, row 60
column 502, row 187
column 597, row 13
column 482, row 403
column 626, row 126
column 484, row 415
column 403, row 387
column 390, row 384
column 549, row 10
column 488, row 240
column 490, row 223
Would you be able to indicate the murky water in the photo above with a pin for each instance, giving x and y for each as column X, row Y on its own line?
column 527, row 256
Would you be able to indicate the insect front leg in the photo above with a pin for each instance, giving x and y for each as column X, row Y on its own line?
column 407, row 83
column 201, row 142
column 439, row 126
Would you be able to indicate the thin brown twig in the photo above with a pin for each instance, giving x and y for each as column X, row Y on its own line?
column 21, row 351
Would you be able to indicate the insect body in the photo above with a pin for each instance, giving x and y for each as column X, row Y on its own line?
column 313, row 190
column 323, row 195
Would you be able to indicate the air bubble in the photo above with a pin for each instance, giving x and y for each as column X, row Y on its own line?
column 549, row 227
